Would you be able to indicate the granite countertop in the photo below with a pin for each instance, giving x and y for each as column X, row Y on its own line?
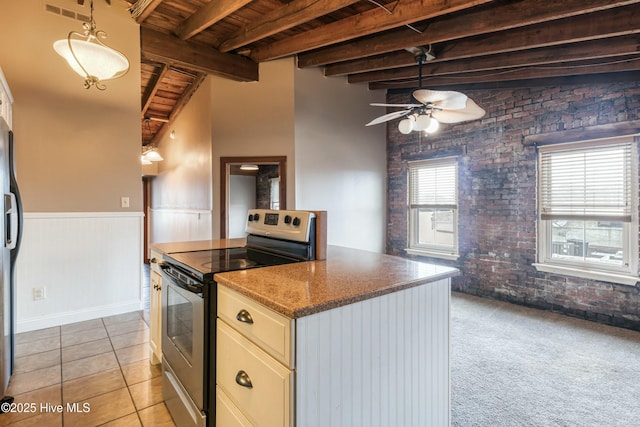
column 198, row 245
column 345, row 277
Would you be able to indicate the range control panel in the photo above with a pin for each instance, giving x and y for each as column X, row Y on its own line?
column 280, row 224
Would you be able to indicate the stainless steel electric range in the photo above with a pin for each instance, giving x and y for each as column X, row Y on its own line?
column 189, row 305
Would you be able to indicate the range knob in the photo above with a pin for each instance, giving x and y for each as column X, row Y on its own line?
column 250, row 218
column 256, row 217
column 287, row 219
column 296, row 221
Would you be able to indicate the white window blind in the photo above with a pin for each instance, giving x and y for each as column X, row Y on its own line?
column 433, row 184
column 587, row 183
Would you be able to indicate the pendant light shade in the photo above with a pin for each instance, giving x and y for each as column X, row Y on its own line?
column 88, row 56
column 152, row 155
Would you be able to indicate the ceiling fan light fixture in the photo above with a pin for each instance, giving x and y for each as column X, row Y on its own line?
column 433, row 127
column 423, row 121
column 145, row 161
column 405, row 126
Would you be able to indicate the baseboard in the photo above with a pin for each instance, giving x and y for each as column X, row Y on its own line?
column 66, row 318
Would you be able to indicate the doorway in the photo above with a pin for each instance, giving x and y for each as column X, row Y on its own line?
column 250, row 182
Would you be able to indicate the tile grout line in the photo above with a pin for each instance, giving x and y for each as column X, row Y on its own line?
column 124, row 378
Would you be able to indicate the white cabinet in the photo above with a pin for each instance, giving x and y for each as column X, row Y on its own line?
column 259, row 385
column 379, row 362
column 6, row 101
column 254, row 363
column 269, row 330
column 155, row 309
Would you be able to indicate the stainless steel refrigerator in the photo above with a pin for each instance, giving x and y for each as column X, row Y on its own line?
column 11, row 224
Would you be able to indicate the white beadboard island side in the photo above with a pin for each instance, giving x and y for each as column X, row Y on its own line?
column 379, row 362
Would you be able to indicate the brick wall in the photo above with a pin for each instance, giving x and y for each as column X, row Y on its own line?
column 263, row 185
column 497, row 194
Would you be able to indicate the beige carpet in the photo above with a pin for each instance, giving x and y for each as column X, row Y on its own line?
column 516, row 366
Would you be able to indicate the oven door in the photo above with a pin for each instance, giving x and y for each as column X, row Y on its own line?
column 183, row 343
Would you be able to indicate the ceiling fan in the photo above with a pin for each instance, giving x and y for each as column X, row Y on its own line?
column 431, row 106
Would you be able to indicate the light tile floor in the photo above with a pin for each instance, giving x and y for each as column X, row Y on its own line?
column 98, row 370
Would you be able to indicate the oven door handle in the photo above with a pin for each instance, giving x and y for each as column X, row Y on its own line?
column 196, row 289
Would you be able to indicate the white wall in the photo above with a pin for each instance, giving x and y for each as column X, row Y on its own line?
column 334, row 162
column 89, row 262
column 242, row 197
column 253, row 119
column 77, row 154
column 181, row 193
column 340, row 163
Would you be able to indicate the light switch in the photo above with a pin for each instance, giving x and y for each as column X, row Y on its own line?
column 124, row 202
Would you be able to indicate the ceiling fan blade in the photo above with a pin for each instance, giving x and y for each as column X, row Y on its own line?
column 378, row 104
column 387, row 117
column 472, row 111
column 446, row 99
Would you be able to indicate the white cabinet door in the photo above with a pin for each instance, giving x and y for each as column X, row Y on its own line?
column 258, row 385
column 228, row 414
column 155, row 317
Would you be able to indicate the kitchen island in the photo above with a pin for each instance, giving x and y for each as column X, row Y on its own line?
column 360, row 338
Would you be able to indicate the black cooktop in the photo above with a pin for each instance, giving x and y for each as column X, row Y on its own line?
column 204, row 264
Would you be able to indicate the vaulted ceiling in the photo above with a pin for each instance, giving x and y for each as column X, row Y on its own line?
column 475, row 44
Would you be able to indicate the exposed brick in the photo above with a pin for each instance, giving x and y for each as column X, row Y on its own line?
column 497, row 195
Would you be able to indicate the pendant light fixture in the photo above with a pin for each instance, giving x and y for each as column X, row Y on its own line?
column 152, row 155
column 90, row 57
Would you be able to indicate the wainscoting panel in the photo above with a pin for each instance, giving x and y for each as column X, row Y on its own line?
column 379, row 362
column 179, row 225
column 86, row 264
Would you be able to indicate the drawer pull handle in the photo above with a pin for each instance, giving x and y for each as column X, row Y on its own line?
column 244, row 316
column 242, row 379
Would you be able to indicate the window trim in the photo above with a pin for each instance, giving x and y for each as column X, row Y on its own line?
column 436, row 251
column 625, row 274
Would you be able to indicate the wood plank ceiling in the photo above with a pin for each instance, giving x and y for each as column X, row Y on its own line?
column 476, row 44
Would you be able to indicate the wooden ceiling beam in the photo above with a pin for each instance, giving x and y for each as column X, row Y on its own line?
column 142, row 14
column 599, row 25
column 366, row 23
column 503, row 17
column 152, row 89
column 208, row 15
column 486, row 78
column 170, row 50
column 288, row 16
column 594, row 49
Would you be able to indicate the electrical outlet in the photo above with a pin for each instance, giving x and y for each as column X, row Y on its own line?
column 39, row 293
column 124, row 202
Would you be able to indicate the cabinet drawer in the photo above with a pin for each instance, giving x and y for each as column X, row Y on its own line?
column 271, row 331
column 265, row 399
column 228, row 414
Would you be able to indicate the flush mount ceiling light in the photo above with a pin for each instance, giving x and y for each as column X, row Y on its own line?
column 90, row 57
column 249, row 167
column 151, row 155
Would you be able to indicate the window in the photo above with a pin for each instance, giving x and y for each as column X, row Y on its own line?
column 433, row 208
column 587, row 196
column 274, row 193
